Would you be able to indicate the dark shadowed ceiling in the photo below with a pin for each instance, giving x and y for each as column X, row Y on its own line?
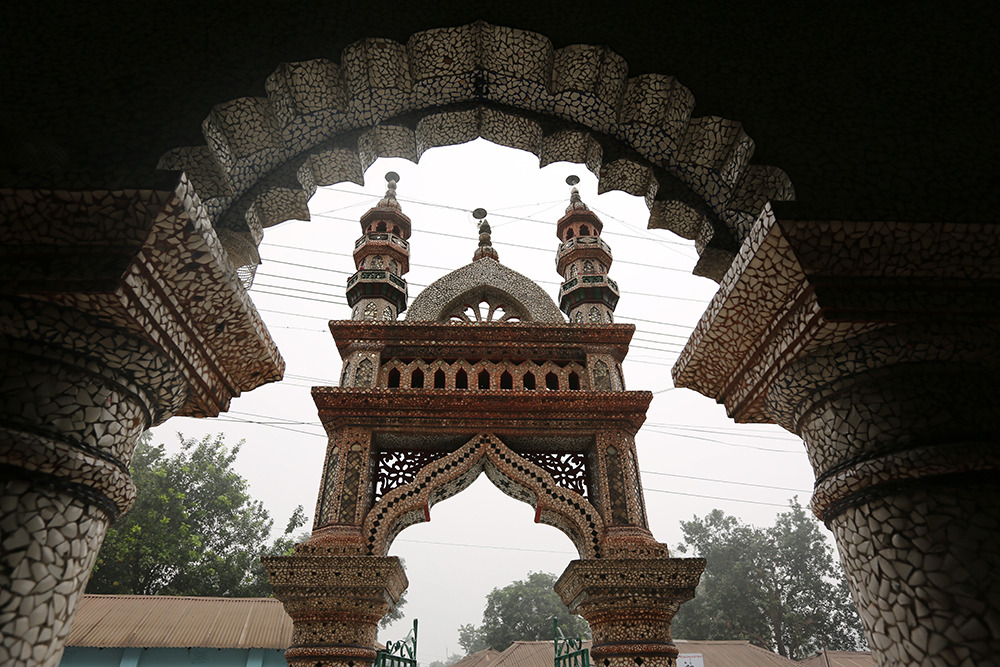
column 875, row 110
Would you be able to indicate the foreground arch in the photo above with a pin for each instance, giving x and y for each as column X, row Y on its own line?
column 323, row 123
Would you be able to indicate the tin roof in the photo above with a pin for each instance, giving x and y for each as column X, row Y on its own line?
column 105, row 621
column 716, row 654
column 839, row 659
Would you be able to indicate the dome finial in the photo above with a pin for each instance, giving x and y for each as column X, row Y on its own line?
column 575, row 203
column 389, row 200
column 485, row 248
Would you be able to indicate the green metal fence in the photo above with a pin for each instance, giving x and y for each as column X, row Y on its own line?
column 400, row 654
column 569, row 651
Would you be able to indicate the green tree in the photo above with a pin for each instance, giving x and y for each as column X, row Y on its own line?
column 522, row 610
column 447, row 662
column 194, row 529
column 777, row 587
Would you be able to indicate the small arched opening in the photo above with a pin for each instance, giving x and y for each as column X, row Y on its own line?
column 528, row 381
column 506, row 381
column 552, row 382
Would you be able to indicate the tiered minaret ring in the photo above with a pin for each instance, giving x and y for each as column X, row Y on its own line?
column 382, row 255
column 583, row 260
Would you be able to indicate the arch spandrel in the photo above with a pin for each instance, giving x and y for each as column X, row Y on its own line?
column 265, row 155
column 518, row 478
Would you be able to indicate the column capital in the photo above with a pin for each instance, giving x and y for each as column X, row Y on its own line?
column 335, row 603
column 798, row 286
column 629, row 604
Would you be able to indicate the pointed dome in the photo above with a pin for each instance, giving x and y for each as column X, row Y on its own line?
column 387, row 215
column 484, row 280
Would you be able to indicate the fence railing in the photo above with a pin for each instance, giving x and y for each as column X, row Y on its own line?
column 569, row 651
column 402, row 653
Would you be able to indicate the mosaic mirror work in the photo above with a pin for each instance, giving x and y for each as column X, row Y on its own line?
column 322, row 123
column 877, row 344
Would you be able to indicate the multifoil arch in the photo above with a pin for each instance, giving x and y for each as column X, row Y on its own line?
column 515, row 476
column 322, row 123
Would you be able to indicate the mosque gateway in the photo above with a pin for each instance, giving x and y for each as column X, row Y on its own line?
column 863, row 318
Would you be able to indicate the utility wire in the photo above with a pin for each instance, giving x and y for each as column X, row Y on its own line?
column 732, row 500
column 722, row 442
column 326, row 214
column 267, row 245
column 722, row 481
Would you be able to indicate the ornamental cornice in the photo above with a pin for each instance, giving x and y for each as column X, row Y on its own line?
column 171, row 286
column 530, row 413
column 798, row 286
column 468, row 334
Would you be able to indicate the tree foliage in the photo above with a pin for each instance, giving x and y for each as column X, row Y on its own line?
column 522, row 610
column 194, row 529
column 447, row 662
column 777, row 587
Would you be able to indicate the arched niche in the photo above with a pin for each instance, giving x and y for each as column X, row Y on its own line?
column 323, row 123
column 410, row 504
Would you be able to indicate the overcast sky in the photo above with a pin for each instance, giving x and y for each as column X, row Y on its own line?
column 692, row 456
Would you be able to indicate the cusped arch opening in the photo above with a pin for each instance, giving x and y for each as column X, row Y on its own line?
column 444, row 477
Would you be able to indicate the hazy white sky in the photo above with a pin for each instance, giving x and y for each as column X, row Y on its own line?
column 482, row 539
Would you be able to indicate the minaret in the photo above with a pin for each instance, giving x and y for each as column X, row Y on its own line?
column 583, row 260
column 382, row 256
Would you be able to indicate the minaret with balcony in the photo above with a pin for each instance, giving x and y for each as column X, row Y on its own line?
column 377, row 291
column 587, row 293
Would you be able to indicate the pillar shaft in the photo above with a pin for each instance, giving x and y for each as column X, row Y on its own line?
column 901, row 428
column 877, row 343
column 127, row 312
column 629, row 604
column 68, row 427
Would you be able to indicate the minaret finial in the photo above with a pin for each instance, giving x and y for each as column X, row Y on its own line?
column 389, row 200
column 575, row 203
column 485, row 248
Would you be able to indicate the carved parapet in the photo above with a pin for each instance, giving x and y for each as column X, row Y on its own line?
column 629, row 604
column 335, row 603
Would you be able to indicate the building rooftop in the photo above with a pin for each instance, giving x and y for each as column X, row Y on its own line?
column 106, row 621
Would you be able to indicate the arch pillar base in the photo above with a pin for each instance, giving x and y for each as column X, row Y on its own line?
column 336, row 603
column 629, row 604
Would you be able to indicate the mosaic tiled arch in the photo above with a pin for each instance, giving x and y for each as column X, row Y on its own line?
column 322, row 123
column 517, row 477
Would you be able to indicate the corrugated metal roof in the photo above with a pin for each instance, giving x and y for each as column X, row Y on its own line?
column 840, row 659
column 716, row 654
column 736, row 653
column 146, row 621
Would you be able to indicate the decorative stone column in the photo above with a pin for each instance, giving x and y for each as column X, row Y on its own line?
column 902, row 427
column 68, row 426
column 629, row 604
column 877, row 343
column 335, row 602
column 117, row 310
